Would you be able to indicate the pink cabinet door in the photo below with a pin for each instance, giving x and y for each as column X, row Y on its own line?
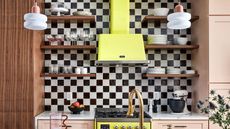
column 212, row 126
column 219, row 7
column 219, row 49
column 180, row 124
column 45, row 124
column 222, row 89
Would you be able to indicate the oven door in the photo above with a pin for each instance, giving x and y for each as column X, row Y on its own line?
column 121, row 125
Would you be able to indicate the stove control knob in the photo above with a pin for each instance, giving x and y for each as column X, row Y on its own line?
column 115, row 127
column 123, row 127
column 130, row 127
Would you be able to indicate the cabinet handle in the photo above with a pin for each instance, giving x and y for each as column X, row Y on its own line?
column 63, row 123
column 67, row 126
column 180, row 126
column 168, row 126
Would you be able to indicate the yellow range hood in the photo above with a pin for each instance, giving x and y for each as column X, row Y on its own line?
column 120, row 47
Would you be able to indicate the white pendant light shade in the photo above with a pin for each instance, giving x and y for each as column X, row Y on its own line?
column 179, row 24
column 33, row 25
column 179, row 16
column 35, row 20
column 35, row 16
column 179, row 19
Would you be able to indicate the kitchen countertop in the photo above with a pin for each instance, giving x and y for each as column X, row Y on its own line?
column 169, row 116
column 85, row 115
column 155, row 116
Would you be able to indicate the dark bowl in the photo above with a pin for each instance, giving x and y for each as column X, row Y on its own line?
column 75, row 110
column 177, row 105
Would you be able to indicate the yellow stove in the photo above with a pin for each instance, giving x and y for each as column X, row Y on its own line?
column 121, row 125
column 115, row 118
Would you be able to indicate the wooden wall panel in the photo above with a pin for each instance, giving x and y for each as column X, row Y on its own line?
column 200, row 57
column 16, row 66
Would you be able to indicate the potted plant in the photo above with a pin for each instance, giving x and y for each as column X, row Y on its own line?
column 217, row 107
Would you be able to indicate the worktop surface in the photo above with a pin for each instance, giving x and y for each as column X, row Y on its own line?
column 85, row 115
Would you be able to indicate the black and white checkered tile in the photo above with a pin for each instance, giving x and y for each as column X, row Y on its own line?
column 111, row 86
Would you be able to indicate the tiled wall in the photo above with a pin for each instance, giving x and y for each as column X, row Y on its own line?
column 111, row 86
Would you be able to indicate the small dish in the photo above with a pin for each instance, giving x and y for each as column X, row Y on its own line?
column 156, row 70
column 58, row 8
column 190, row 72
column 82, row 13
column 181, row 40
column 160, row 11
column 173, row 71
column 75, row 110
column 157, row 39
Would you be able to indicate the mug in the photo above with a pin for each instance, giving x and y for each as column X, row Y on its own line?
column 84, row 70
column 78, row 70
column 55, row 69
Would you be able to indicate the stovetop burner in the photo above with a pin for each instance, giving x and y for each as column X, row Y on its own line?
column 115, row 113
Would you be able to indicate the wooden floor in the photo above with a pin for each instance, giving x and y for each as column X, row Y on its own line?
column 16, row 66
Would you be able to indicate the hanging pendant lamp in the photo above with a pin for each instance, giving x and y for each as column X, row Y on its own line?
column 179, row 19
column 35, row 20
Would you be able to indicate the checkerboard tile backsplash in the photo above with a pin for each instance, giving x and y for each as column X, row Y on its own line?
column 111, row 85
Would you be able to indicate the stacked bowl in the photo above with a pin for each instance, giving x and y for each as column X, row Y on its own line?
column 156, row 70
column 173, row 71
column 157, row 39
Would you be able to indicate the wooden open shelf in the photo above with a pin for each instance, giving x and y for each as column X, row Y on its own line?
column 162, row 19
column 78, row 19
column 153, row 46
column 171, row 75
column 69, row 47
column 68, row 75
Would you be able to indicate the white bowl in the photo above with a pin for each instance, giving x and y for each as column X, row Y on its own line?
column 157, row 39
column 181, row 40
column 82, row 13
column 190, row 72
column 156, row 70
column 173, row 71
column 160, row 11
